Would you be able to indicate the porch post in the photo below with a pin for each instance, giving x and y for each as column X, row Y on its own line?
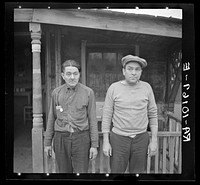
column 37, row 130
column 83, row 61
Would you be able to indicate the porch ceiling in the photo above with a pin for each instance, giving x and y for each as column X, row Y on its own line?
column 115, row 37
column 138, row 38
column 103, row 36
column 99, row 19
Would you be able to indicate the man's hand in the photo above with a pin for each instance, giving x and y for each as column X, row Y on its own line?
column 93, row 153
column 107, row 149
column 48, row 150
column 152, row 148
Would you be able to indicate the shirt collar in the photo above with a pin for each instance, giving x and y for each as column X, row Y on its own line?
column 74, row 88
column 125, row 83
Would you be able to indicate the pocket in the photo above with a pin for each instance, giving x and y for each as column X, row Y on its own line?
column 85, row 138
column 81, row 107
column 80, row 112
column 59, row 114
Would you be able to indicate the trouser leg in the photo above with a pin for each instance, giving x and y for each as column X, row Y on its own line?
column 80, row 152
column 62, row 149
column 138, row 156
column 120, row 152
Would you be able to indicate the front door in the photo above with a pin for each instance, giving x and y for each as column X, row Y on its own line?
column 104, row 68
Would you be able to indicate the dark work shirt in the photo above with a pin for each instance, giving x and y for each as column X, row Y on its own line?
column 72, row 110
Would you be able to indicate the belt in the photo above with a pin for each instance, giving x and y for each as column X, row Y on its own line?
column 75, row 131
column 69, row 128
column 63, row 124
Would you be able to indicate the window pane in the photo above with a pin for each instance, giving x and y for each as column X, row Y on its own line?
column 103, row 69
column 95, row 77
column 109, row 61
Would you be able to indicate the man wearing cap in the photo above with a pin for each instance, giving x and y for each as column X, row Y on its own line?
column 130, row 106
column 72, row 124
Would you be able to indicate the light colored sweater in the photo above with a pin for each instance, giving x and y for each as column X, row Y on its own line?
column 130, row 108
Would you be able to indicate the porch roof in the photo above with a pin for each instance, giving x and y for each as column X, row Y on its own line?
column 104, row 20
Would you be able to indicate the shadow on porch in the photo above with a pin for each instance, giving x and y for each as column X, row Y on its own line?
column 22, row 147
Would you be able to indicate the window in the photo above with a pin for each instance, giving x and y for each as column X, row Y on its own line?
column 103, row 68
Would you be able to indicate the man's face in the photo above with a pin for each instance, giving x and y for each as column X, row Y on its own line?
column 132, row 72
column 71, row 76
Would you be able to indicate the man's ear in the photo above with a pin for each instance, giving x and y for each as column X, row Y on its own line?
column 62, row 74
column 123, row 71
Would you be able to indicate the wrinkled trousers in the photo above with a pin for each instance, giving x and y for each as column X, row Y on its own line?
column 129, row 151
column 71, row 151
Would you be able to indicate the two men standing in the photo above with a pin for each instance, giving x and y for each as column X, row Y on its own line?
column 129, row 105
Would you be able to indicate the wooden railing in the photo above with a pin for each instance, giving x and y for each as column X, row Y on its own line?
column 167, row 160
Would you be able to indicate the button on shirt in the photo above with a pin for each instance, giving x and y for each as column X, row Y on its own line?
column 72, row 110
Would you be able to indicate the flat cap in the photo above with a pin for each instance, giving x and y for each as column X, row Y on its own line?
column 131, row 58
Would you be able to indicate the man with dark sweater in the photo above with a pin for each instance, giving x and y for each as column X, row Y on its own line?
column 72, row 124
column 130, row 106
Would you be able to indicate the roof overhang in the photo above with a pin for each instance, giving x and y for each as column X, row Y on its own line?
column 104, row 20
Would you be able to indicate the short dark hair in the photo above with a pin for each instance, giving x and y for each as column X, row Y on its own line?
column 70, row 63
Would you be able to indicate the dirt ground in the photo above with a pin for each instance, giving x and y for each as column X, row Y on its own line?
column 22, row 148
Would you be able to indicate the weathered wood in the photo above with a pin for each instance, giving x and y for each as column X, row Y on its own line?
column 99, row 110
column 148, row 164
column 173, row 116
column 101, row 155
column 98, row 19
column 177, row 142
column 108, row 164
column 48, row 72
column 28, row 114
column 172, row 125
column 171, row 155
column 37, row 86
column 93, row 166
column 167, row 134
column 137, row 50
column 83, row 61
column 112, row 45
column 164, row 155
column 58, row 57
column 46, row 164
column 37, row 150
column 37, row 130
column 180, row 156
column 23, row 16
column 176, row 85
column 156, row 159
